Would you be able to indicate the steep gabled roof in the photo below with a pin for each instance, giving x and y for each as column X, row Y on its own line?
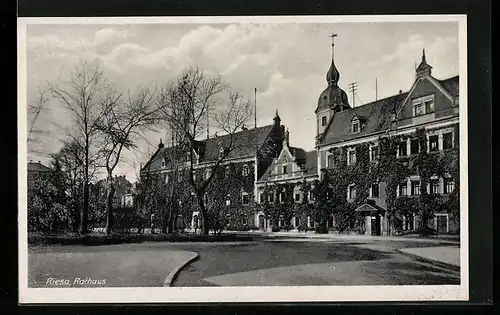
column 245, row 143
column 308, row 159
column 451, row 85
column 38, row 167
column 376, row 116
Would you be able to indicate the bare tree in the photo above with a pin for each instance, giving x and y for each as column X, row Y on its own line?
column 121, row 128
column 191, row 100
column 89, row 98
column 35, row 109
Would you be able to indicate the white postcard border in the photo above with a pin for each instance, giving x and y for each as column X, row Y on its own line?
column 242, row 294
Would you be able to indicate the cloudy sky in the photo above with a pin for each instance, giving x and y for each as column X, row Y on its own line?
column 287, row 64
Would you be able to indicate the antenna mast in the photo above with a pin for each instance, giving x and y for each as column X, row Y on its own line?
column 376, row 89
column 255, row 107
column 208, row 123
column 352, row 88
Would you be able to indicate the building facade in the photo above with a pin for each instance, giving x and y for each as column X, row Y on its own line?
column 411, row 137
column 232, row 192
column 394, row 161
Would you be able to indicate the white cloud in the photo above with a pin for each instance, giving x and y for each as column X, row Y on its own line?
column 286, row 63
column 108, row 34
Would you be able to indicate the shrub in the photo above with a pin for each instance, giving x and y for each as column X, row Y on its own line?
column 239, row 227
column 321, row 229
column 426, row 231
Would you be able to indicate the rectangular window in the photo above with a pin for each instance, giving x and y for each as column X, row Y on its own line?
column 355, row 126
column 207, row 174
column 246, row 199
column 271, row 197
column 205, row 199
column 403, row 189
column 245, row 170
column 351, row 157
column 375, row 154
column 285, row 169
column 323, row 121
column 429, row 106
column 166, row 178
column 433, row 143
column 227, row 172
column 414, row 147
column 418, row 109
column 434, row 186
column 447, row 141
column 297, row 197
column 375, row 190
column 351, row 192
column 282, row 196
column 402, row 149
column 179, row 177
column 244, row 220
column 281, row 222
column 261, row 198
column 330, row 160
column 228, row 200
column 415, row 188
column 163, row 163
column 449, row 185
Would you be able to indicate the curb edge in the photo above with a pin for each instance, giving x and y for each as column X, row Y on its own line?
column 174, row 273
column 431, row 261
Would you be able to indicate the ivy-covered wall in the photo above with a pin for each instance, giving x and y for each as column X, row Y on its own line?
column 390, row 171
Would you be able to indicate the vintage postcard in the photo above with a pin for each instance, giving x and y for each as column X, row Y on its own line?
column 243, row 159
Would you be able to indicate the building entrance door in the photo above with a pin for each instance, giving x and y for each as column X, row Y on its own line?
column 441, row 223
column 375, row 225
column 262, row 222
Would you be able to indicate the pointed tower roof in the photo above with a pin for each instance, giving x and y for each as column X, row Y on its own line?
column 423, row 68
column 333, row 97
column 277, row 118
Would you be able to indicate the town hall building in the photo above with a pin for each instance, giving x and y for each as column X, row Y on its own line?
column 429, row 109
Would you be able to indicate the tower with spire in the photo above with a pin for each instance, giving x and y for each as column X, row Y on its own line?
column 423, row 69
column 333, row 99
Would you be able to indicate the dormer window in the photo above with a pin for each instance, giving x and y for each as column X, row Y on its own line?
column 423, row 105
column 285, row 169
column 355, row 126
column 323, row 121
column 163, row 162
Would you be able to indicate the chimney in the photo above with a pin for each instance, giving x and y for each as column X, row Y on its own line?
column 400, row 91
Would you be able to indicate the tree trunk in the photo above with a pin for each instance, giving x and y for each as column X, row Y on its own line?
column 205, row 228
column 85, row 210
column 84, row 214
column 109, row 205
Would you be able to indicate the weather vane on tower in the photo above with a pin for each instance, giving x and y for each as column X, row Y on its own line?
column 333, row 41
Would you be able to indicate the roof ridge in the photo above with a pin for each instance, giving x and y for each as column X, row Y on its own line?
column 237, row 132
column 449, row 78
column 376, row 101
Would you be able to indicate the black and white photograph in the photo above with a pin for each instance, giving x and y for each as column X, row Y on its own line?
column 243, row 159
